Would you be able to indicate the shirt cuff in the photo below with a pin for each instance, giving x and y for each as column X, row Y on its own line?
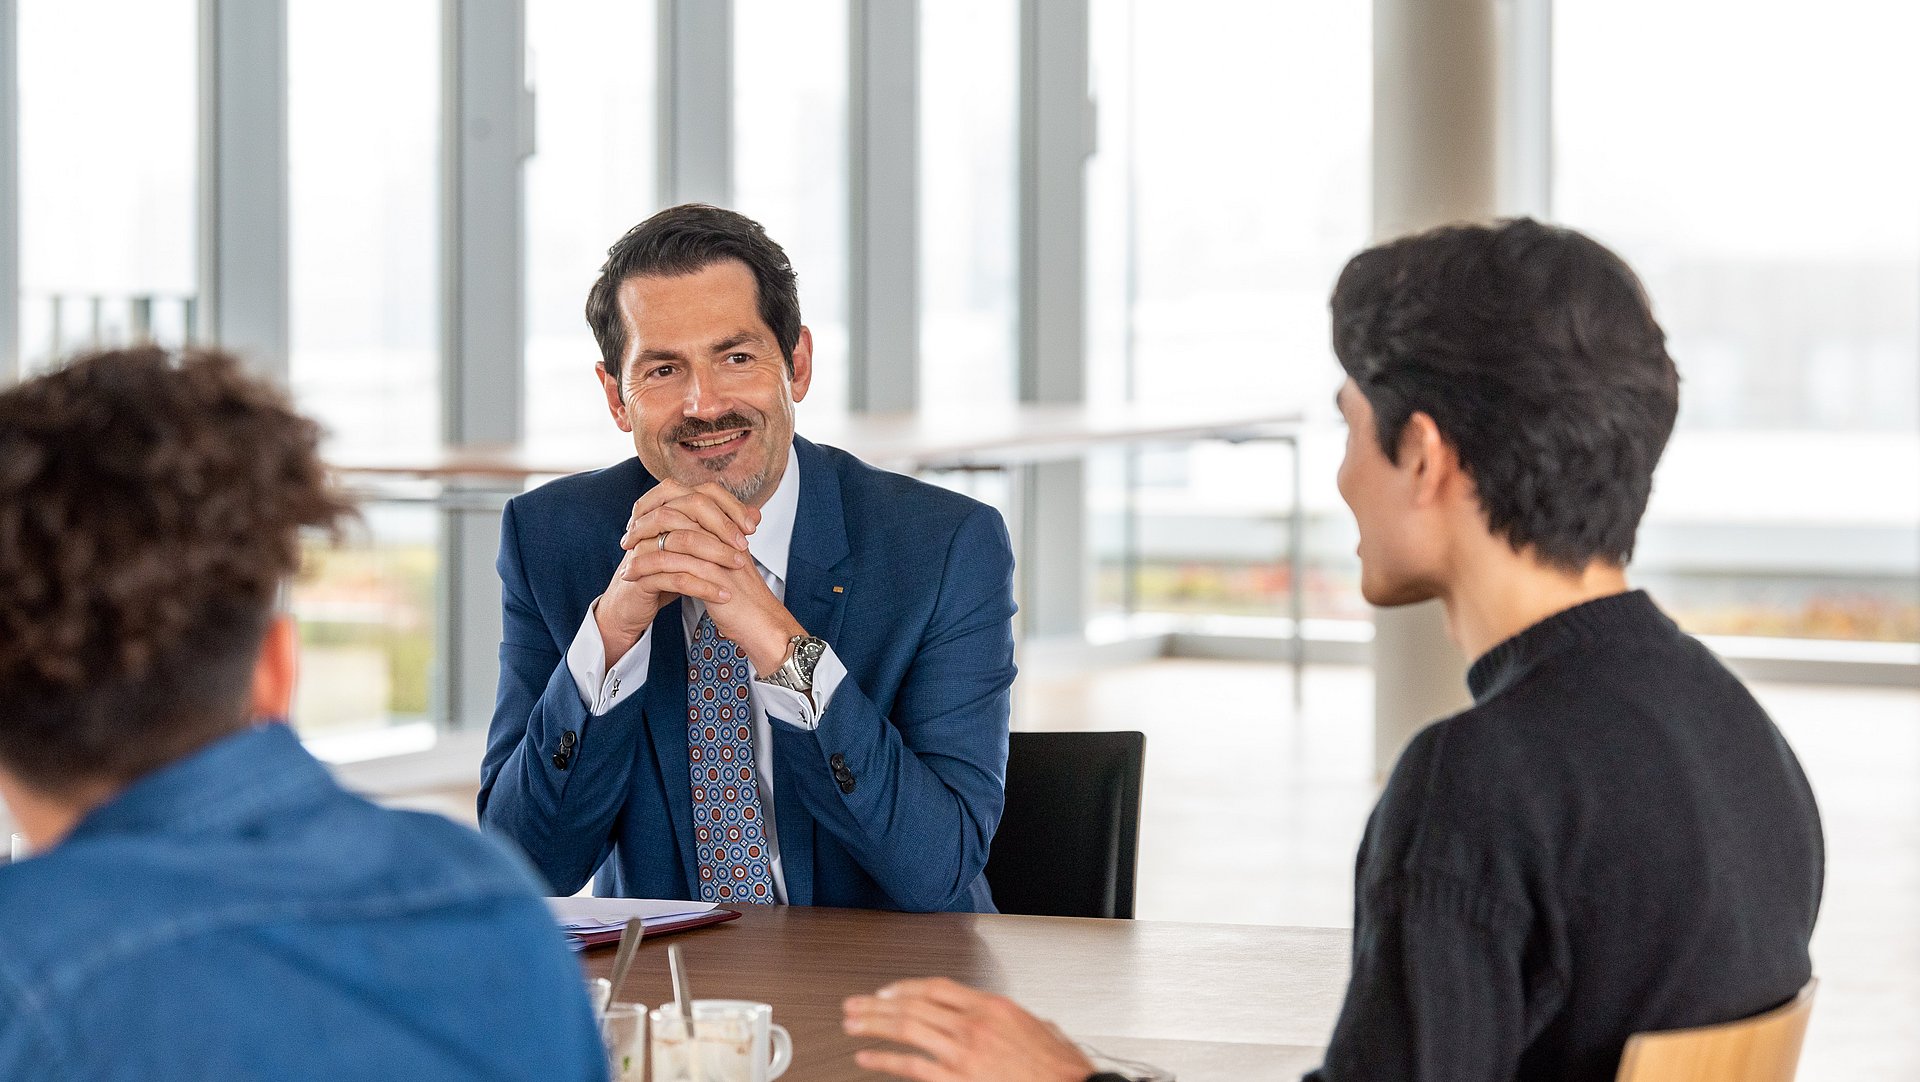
column 600, row 689
column 797, row 708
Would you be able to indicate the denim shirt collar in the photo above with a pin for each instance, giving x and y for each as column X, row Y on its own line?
column 235, row 779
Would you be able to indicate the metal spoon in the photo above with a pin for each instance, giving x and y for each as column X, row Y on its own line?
column 623, row 958
column 683, row 1001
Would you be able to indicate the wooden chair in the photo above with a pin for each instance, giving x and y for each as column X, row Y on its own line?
column 1763, row 1048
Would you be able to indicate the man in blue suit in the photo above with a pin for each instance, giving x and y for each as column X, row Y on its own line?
column 743, row 667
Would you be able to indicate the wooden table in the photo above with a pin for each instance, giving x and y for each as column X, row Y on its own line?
column 1207, row 1001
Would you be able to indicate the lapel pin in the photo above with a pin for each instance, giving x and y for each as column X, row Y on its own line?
column 839, row 589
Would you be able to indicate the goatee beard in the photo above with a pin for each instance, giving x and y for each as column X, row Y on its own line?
column 746, row 489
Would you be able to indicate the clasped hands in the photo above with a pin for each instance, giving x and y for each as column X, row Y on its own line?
column 692, row 542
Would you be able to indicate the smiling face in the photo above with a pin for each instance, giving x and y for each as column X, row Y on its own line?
column 704, row 388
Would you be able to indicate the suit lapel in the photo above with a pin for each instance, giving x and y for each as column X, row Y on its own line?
column 666, row 713
column 817, row 582
column 817, row 586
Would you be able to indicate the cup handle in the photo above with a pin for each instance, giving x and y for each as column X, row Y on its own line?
column 782, row 1051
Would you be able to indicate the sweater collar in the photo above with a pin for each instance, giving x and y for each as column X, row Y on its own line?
column 1604, row 617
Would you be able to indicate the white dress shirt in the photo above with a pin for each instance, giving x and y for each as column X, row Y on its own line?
column 602, row 689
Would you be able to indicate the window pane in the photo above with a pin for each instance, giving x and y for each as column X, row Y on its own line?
column 1214, row 238
column 108, row 156
column 790, row 163
column 363, row 143
column 969, row 131
column 590, row 179
column 1774, row 221
column 368, row 629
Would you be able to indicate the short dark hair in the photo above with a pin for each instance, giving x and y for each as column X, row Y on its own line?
column 150, row 510
column 682, row 240
column 1534, row 350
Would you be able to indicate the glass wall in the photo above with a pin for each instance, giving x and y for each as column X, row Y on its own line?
column 363, row 150
column 108, row 160
column 969, row 136
column 790, row 163
column 363, row 143
column 370, row 633
column 1761, row 175
column 591, row 178
column 1230, row 185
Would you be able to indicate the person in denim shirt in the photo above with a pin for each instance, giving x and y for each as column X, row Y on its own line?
column 205, row 902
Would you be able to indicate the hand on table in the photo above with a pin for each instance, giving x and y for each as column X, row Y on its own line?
column 968, row 1035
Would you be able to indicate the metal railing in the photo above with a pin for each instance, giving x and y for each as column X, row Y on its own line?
column 60, row 323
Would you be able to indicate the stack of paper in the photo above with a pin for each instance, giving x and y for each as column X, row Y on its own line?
column 591, row 921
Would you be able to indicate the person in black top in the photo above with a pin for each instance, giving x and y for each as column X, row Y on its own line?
column 1614, row 838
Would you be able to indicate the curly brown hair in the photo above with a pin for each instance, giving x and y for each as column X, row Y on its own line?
column 150, row 508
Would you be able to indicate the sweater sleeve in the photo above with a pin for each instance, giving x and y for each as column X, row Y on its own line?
column 1438, row 985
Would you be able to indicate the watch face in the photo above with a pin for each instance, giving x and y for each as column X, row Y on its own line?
column 797, row 672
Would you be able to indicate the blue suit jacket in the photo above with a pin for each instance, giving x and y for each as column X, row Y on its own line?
column 911, row 585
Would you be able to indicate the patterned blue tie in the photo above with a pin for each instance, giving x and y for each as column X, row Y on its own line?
column 729, row 828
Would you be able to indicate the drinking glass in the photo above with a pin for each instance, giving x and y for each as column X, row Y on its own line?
column 623, row 1033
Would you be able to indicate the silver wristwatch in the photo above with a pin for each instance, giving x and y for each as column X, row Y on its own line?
column 796, row 673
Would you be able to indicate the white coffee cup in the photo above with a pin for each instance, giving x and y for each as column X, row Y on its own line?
column 735, row 1040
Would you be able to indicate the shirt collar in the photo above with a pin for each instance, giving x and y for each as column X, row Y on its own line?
column 771, row 543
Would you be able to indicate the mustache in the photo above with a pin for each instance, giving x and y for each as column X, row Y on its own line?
column 693, row 428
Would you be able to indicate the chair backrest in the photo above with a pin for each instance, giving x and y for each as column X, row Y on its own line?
column 1763, row 1048
column 1070, row 836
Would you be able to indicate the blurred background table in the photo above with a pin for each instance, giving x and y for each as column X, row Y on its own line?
column 1013, row 439
column 1206, row 1001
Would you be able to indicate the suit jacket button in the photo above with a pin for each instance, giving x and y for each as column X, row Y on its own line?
column 568, row 739
column 561, row 759
column 838, row 762
column 846, row 781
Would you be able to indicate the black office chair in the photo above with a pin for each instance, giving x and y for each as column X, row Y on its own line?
column 1069, row 840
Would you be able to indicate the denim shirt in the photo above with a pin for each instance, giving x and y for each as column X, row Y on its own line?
column 237, row 915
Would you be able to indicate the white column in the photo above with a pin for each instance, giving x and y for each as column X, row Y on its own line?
column 695, row 85
column 1526, row 107
column 243, row 180
column 487, row 134
column 1056, row 137
column 883, row 193
column 1436, row 122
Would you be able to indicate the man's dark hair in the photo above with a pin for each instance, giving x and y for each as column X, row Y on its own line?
column 1535, row 352
column 683, row 240
column 149, row 513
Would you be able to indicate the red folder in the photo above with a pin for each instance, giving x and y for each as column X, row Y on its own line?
column 654, row 931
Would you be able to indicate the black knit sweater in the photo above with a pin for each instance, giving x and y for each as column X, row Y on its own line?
column 1614, row 838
